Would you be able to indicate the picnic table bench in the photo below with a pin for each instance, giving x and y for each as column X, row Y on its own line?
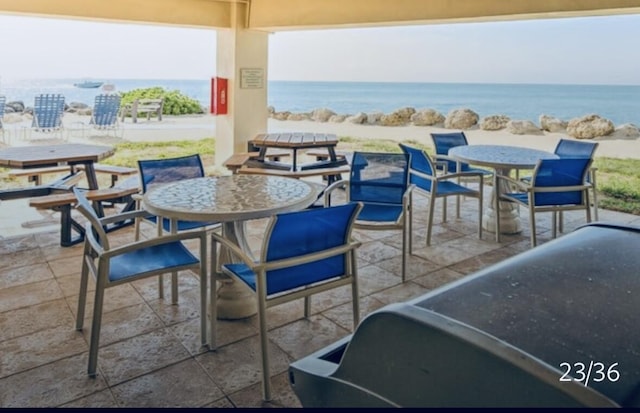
column 238, row 160
column 324, row 172
column 65, row 201
column 142, row 106
column 35, row 175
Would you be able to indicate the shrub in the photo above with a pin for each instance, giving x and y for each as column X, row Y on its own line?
column 175, row 103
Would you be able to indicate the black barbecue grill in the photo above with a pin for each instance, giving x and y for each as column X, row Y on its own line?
column 554, row 326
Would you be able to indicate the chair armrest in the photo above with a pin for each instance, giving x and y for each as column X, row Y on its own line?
column 124, row 216
column 422, row 175
column 164, row 239
column 236, row 250
column 525, row 186
column 329, row 189
column 539, row 189
column 406, row 197
column 461, row 175
column 444, row 163
column 303, row 259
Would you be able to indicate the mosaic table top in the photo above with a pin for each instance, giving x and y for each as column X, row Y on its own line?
column 500, row 156
column 229, row 198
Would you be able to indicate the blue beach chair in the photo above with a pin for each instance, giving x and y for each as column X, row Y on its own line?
column 104, row 117
column 47, row 116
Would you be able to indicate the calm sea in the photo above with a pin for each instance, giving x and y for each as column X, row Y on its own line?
column 620, row 104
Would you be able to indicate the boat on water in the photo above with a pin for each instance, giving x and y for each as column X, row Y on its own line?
column 88, row 84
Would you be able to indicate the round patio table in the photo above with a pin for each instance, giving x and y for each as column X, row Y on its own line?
column 503, row 159
column 231, row 200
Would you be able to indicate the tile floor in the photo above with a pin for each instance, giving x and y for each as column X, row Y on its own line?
column 150, row 353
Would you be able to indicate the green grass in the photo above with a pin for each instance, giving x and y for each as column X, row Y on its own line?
column 128, row 153
column 618, row 180
column 618, row 183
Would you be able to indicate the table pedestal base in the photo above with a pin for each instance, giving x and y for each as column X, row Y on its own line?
column 509, row 220
column 235, row 300
column 509, row 215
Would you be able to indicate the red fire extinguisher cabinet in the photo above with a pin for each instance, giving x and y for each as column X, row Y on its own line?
column 219, row 95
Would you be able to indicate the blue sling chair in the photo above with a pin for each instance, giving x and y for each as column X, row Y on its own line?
column 303, row 253
column 155, row 172
column 423, row 175
column 571, row 148
column 380, row 181
column 112, row 265
column 556, row 185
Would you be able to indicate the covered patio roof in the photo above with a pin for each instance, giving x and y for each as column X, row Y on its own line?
column 278, row 15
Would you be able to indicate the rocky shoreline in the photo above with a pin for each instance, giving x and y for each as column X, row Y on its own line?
column 591, row 126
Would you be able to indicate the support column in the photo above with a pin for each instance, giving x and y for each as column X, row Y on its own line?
column 238, row 49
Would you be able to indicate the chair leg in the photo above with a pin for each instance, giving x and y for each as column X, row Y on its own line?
column 560, row 222
column 405, row 234
column 95, row 328
column 588, row 208
column 307, row 306
column 410, row 236
column 480, row 212
column 532, row 224
column 355, row 300
column 160, row 277
column 213, row 296
column 595, row 196
column 496, row 207
column 432, row 205
column 444, row 209
column 82, row 297
column 203, row 290
column 264, row 340
column 554, row 223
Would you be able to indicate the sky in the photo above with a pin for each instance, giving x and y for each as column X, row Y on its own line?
column 586, row 50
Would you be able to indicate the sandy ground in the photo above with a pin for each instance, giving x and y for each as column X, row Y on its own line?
column 203, row 126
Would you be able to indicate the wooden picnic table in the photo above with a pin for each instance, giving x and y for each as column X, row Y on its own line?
column 41, row 156
column 296, row 141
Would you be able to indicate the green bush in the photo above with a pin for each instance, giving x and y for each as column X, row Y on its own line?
column 175, row 103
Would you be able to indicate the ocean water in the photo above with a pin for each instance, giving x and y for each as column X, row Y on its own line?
column 618, row 103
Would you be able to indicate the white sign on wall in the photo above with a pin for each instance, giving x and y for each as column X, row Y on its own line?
column 252, row 78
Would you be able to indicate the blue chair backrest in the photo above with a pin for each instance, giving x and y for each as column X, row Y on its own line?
column 560, row 172
column 47, row 111
column 568, row 148
column 295, row 234
column 445, row 141
column 160, row 171
column 419, row 161
column 379, row 178
column 105, row 110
